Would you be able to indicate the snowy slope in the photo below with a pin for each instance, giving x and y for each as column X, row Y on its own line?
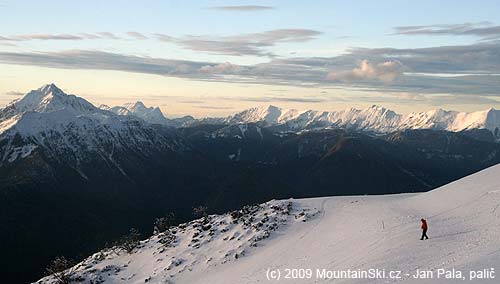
column 374, row 118
column 356, row 232
column 138, row 109
column 270, row 115
column 452, row 120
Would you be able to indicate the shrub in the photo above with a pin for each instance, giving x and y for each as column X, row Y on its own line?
column 162, row 224
column 130, row 241
column 200, row 211
column 58, row 269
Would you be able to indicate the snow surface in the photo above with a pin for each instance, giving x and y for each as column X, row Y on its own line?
column 340, row 233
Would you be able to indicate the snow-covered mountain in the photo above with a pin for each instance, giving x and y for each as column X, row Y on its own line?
column 375, row 118
column 356, row 233
column 149, row 114
column 50, row 98
column 69, row 129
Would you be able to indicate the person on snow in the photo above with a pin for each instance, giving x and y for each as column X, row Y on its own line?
column 424, row 229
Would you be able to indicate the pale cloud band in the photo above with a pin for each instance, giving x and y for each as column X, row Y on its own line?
column 484, row 30
column 253, row 44
column 475, row 68
column 79, row 36
column 242, row 8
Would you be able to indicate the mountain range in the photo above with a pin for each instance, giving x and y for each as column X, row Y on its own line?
column 74, row 176
column 376, row 119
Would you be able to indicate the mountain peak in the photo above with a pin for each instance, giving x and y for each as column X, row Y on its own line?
column 273, row 107
column 139, row 104
column 376, row 108
column 104, row 107
column 49, row 98
column 50, row 88
column 138, row 109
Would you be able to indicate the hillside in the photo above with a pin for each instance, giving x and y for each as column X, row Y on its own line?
column 333, row 233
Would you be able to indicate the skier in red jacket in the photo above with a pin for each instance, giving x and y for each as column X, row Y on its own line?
column 424, row 229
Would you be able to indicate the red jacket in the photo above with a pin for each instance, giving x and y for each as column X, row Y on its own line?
column 424, row 224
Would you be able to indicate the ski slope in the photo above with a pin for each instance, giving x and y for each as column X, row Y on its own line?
column 383, row 232
column 341, row 233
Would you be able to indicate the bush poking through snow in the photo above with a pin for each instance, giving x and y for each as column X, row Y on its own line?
column 167, row 238
column 58, row 268
column 200, row 211
column 130, row 241
column 162, row 224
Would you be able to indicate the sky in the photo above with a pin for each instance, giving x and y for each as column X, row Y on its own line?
column 213, row 58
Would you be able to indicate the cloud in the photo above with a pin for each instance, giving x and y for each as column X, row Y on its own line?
column 461, row 70
column 225, row 47
column 222, row 68
column 260, row 99
column 484, row 30
column 438, row 100
column 214, row 107
column 85, row 59
column 42, row 37
column 79, row 36
column 89, row 35
column 190, row 101
column 461, row 100
column 137, row 35
column 49, row 37
column 13, row 94
column 243, row 8
column 255, row 44
column 386, row 72
column 108, row 35
column 283, row 99
column 6, row 43
column 280, row 35
column 247, row 44
column 476, row 58
column 164, row 37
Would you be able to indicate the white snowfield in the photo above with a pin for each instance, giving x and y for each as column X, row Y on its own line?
column 316, row 239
